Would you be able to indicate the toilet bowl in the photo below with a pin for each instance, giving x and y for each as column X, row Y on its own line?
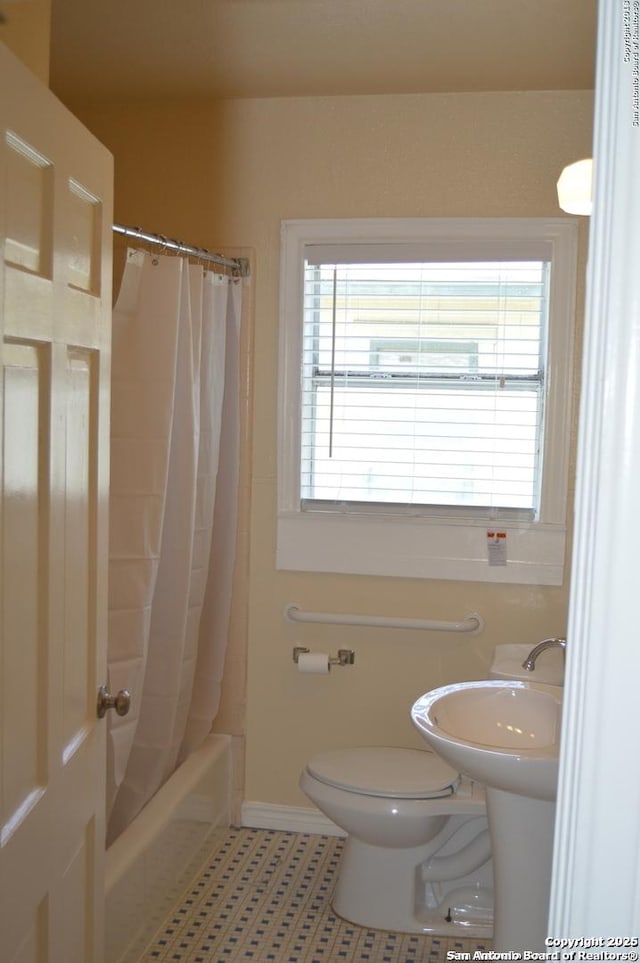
column 417, row 857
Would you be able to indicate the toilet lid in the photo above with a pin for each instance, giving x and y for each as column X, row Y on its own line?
column 382, row 771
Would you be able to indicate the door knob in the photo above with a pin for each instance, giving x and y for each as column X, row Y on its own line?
column 120, row 702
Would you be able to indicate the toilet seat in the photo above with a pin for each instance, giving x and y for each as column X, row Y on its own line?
column 387, row 772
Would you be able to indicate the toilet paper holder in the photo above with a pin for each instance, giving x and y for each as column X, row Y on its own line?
column 344, row 656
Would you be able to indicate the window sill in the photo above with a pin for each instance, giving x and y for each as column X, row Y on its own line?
column 418, row 548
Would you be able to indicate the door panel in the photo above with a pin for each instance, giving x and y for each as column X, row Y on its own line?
column 25, row 672
column 79, row 666
column 29, row 196
column 55, row 309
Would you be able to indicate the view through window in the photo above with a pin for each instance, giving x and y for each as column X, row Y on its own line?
column 423, row 384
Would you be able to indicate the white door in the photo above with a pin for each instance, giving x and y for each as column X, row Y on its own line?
column 55, row 306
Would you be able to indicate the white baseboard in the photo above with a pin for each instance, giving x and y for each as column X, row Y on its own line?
column 291, row 819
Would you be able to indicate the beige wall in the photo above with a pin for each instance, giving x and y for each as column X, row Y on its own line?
column 226, row 175
column 26, row 31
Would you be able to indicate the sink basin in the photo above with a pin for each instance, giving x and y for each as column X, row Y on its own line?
column 505, row 734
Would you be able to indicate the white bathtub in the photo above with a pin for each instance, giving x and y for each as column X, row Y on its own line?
column 150, row 865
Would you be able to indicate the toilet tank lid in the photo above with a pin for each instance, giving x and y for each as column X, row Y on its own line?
column 385, row 771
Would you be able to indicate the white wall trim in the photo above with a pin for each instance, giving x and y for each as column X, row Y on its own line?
column 415, row 547
column 596, row 876
column 290, row 819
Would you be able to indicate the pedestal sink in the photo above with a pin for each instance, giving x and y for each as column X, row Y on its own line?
column 506, row 735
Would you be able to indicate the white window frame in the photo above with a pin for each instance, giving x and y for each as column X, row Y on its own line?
column 429, row 543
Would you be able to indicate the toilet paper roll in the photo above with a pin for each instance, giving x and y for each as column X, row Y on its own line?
column 317, row 662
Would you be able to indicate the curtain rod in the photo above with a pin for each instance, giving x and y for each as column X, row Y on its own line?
column 239, row 265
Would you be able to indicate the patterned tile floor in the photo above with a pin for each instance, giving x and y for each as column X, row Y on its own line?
column 265, row 896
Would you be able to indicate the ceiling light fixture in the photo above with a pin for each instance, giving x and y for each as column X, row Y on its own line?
column 575, row 187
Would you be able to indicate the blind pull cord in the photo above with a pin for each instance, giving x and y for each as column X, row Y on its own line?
column 333, row 358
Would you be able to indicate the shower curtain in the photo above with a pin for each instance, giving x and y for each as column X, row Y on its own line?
column 173, row 511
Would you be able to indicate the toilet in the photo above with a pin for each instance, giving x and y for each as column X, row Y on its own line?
column 417, row 857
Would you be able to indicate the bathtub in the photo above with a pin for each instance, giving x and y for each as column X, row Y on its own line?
column 152, row 862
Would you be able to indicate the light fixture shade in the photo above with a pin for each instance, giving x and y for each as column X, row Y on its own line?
column 574, row 187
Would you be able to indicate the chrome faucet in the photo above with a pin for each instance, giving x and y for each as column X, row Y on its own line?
column 530, row 662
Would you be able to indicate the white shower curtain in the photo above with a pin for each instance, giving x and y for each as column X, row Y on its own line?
column 173, row 511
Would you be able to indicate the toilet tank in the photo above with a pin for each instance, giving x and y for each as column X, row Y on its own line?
column 508, row 659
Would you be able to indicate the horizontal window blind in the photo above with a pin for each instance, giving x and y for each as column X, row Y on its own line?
column 423, row 383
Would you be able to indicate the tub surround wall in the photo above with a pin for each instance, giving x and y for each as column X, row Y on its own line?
column 225, row 174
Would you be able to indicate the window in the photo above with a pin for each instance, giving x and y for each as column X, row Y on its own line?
column 425, row 396
column 422, row 384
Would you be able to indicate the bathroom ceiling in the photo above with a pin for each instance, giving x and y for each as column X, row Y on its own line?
column 106, row 49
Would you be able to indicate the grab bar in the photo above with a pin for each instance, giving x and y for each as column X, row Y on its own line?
column 471, row 623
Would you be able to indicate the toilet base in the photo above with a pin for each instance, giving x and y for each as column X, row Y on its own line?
column 381, row 888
